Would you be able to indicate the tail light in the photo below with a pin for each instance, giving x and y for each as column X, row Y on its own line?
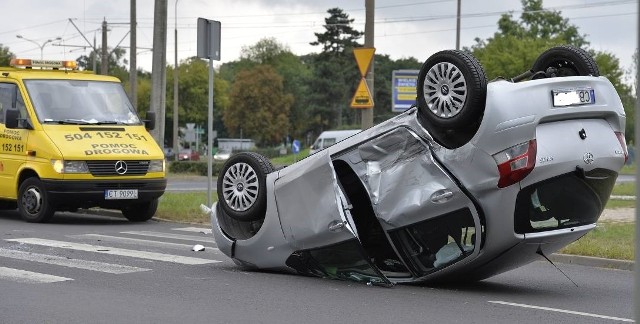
column 623, row 143
column 515, row 163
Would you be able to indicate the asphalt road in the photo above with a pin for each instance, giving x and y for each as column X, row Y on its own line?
column 102, row 269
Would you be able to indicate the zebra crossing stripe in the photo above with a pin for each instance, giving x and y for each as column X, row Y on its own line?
column 114, row 251
column 70, row 263
column 194, row 229
column 173, row 236
column 23, row 276
column 109, row 238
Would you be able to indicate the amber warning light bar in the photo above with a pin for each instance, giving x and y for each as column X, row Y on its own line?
column 51, row 64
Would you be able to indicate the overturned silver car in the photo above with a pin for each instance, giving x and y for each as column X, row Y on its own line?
column 477, row 179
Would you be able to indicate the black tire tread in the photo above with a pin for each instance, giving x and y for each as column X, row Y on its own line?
column 566, row 51
column 140, row 212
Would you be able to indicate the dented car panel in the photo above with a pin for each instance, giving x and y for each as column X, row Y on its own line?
column 393, row 204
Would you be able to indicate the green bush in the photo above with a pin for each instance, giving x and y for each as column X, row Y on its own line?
column 195, row 167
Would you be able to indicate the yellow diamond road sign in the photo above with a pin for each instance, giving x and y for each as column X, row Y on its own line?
column 362, row 97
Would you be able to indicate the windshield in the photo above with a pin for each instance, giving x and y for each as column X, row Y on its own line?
column 80, row 102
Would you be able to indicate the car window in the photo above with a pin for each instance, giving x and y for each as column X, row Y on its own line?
column 328, row 142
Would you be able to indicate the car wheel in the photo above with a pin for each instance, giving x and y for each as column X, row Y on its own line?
column 242, row 186
column 565, row 60
column 451, row 94
column 33, row 201
column 140, row 212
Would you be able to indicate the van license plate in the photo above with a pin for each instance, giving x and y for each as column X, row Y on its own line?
column 574, row 97
column 121, row 194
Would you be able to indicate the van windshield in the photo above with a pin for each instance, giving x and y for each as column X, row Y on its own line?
column 80, row 102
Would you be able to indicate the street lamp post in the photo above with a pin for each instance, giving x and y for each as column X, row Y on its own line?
column 175, row 86
column 39, row 45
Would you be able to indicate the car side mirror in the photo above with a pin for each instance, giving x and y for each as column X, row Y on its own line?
column 11, row 117
column 150, row 121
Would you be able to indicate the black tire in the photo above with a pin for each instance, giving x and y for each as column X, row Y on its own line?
column 236, row 229
column 566, row 60
column 33, row 201
column 451, row 96
column 140, row 212
column 242, row 186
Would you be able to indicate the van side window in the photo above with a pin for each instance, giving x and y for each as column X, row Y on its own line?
column 6, row 98
column 11, row 98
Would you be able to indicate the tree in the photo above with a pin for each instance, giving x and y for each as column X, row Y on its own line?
column 193, row 100
column 294, row 73
column 259, row 107
column 339, row 34
column 517, row 43
column 335, row 74
column 5, row 55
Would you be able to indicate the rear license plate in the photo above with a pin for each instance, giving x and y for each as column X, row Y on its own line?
column 121, row 194
column 573, row 97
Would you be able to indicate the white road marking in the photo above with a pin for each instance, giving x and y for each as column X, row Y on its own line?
column 115, row 251
column 109, row 238
column 70, row 263
column 24, row 276
column 194, row 229
column 561, row 311
column 172, row 236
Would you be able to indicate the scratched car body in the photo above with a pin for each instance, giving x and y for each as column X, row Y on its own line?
column 428, row 196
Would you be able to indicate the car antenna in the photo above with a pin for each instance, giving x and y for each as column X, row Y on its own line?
column 539, row 251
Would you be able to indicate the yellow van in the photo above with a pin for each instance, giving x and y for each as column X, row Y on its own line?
column 71, row 139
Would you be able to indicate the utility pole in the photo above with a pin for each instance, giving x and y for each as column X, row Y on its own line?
column 367, row 114
column 175, row 86
column 104, row 65
column 133, row 54
column 158, row 68
column 458, row 27
column 637, row 149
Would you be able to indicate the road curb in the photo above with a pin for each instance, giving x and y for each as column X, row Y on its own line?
column 593, row 261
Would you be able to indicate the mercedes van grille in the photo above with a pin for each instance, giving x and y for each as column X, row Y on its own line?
column 118, row 167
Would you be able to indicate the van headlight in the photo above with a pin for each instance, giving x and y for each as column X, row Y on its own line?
column 156, row 166
column 62, row 166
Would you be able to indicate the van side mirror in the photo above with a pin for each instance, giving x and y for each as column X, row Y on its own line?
column 150, row 121
column 11, row 117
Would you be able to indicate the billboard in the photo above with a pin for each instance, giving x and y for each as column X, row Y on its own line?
column 403, row 89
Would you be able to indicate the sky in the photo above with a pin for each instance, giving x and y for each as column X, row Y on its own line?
column 403, row 28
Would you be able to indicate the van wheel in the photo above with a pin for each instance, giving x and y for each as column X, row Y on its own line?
column 33, row 201
column 566, row 60
column 452, row 89
column 242, row 187
column 141, row 212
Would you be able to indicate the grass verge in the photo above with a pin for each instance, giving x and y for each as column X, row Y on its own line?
column 184, row 207
column 289, row 159
column 608, row 240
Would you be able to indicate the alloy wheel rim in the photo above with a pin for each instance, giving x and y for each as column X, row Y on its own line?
column 32, row 200
column 445, row 90
column 240, row 187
